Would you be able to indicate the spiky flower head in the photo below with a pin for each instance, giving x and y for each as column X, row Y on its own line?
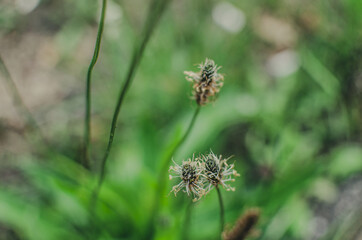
column 206, row 83
column 218, row 171
column 190, row 174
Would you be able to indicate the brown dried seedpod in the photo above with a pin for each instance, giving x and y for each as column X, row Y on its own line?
column 244, row 225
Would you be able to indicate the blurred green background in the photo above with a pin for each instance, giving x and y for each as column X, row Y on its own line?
column 290, row 113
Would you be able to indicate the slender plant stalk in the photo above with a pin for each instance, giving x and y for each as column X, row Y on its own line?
column 187, row 221
column 19, row 102
column 161, row 180
column 222, row 218
column 161, row 183
column 87, row 124
column 155, row 12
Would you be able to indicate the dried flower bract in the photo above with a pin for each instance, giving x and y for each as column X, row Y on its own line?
column 190, row 174
column 206, row 83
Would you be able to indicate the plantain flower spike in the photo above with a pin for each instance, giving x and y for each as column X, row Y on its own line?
column 244, row 227
column 206, row 83
column 189, row 173
column 218, row 171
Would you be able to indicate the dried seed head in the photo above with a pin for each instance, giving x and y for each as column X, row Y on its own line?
column 218, row 171
column 244, row 226
column 190, row 174
column 212, row 170
column 206, row 83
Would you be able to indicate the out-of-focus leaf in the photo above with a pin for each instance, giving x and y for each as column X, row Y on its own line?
column 319, row 73
column 346, row 160
column 33, row 222
column 294, row 215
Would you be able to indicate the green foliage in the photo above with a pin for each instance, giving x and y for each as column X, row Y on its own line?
column 295, row 136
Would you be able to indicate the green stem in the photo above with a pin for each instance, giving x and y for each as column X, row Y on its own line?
column 87, row 130
column 187, row 221
column 222, row 218
column 161, row 180
column 166, row 162
column 163, row 172
column 155, row 11
column 196, row 113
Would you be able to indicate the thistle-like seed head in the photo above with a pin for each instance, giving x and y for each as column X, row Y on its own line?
column 206, row 169
column 206, row 83
column 218, row 171
column 212, row 170
column 190, row 174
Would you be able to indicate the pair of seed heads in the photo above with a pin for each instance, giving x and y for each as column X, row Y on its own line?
column 206, row 83
column 199, row 175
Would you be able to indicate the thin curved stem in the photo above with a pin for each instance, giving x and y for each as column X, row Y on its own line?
column 222, row 218
column 154, row 14
column 87, row 124
column 166, row 162
column 161, row 183
column 196, row 113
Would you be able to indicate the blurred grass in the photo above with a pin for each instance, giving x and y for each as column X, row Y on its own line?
column 295, row 137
